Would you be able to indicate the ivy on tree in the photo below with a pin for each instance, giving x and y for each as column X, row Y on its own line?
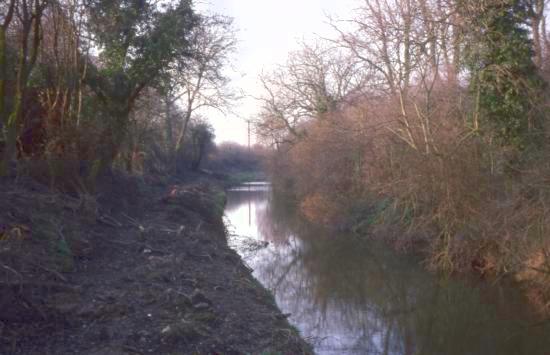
column 505, row 79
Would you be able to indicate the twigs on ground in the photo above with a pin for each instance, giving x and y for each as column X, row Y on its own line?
column 110, row 221
column 12, row 270
column 53, row 272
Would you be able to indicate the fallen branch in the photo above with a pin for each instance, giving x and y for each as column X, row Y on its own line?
column 110, row 221
column 53, row 272
column 13, row 271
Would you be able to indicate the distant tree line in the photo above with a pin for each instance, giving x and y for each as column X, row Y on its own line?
column 234, row 158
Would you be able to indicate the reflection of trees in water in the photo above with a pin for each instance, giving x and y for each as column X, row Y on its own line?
column 345, row 301
column 277, row 223
column 237, row 199
column 368, row 300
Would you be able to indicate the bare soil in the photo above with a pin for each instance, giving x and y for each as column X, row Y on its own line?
column 143, row 267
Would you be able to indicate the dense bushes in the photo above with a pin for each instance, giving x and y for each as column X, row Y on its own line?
column 80, row 94
column 446, row 146
column 468, row 203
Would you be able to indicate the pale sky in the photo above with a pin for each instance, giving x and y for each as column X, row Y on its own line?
column 267, row 31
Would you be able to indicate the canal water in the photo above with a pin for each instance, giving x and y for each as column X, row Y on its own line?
column 350, row 296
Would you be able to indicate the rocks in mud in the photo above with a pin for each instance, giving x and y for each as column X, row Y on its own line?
column 188, row 305
column 196, row 311
column 198, row 297
column 181, row 331
column 178, row 300
column 282, row 316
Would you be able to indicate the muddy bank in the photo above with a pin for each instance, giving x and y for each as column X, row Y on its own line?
column 142, row 268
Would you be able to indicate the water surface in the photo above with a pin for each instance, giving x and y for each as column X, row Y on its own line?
column 348, row 296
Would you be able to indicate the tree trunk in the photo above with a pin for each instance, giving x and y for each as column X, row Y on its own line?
column 181, row 136
column 11, row 126
column 537, row 13
column 169, row 127
column 3, row 74
column 30, row 22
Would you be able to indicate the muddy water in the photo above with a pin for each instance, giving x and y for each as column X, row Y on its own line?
column 348, row 296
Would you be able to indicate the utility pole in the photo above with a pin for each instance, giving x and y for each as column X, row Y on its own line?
column 249, row 205
column 248, row 121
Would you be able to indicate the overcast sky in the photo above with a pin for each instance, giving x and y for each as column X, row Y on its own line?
column 267, row 31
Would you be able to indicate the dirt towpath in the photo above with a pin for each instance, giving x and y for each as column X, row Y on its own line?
column 145, row 269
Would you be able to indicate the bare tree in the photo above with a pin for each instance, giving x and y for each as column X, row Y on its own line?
column 383, row 37
column 408, row 45
column 312, row 83
column 200, row 81
column 64, row 53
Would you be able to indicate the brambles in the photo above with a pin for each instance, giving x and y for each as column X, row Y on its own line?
column 449, row 131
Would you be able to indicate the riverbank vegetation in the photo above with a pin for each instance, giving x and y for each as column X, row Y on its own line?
column 424, row 123
column 90, row 86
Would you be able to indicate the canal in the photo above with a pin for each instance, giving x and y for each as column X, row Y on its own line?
column 352, row 296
